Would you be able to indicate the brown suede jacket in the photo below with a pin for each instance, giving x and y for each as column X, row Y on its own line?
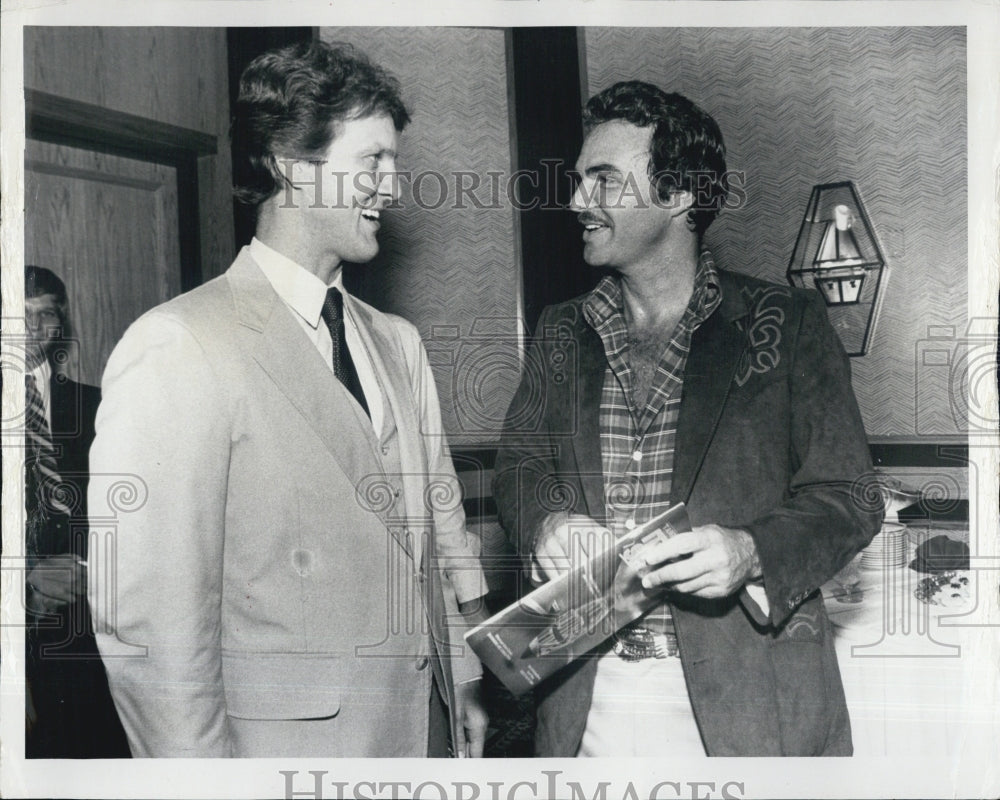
column 769, row 440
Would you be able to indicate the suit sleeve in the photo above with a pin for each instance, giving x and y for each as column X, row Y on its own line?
column 833, row 507
column 156, row 580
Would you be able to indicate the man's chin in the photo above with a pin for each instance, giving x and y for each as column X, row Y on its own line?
column 594, row 259
column 366, row 257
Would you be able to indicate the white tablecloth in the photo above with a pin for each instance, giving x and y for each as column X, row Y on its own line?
column 919, row 679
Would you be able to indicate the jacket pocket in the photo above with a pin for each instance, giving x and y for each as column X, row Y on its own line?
column 281, row 685
column 807, row 624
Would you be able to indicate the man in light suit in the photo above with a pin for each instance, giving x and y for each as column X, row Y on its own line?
column 295, row 574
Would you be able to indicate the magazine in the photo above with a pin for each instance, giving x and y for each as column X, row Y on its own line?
column 563, row 619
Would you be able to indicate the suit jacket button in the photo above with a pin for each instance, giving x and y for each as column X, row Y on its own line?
column 302, row 561
column 421, row 663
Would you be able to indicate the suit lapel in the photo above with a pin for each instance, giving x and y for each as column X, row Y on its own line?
column 394, row 377
column 388, row 359
column 276, row 341
column 66, row 422
column 586, row 440
column 64, row 397
column 716, row 348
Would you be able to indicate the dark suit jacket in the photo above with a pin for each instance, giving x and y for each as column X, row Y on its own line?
column 76, row 716
column 73, row 407
column 769, row 440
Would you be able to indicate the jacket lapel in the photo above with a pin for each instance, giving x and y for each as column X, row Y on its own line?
column 276, row 341
column 716, row 348
column 64, row 403
column 395, row 382
column 586, row 440
column 387, row 357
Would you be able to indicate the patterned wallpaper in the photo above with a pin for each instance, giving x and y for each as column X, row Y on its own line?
column 883, row 107
column 448, row 265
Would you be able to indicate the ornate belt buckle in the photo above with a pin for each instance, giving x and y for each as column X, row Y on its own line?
column 636, row 642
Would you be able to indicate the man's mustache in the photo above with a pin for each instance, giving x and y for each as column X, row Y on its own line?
column 588, row 218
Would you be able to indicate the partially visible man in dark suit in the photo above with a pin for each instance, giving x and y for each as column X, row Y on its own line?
column 70, row 711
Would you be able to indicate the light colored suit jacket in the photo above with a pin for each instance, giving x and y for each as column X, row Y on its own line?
column 262, row 591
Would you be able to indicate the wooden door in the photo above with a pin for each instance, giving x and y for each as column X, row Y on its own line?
column 108, row 226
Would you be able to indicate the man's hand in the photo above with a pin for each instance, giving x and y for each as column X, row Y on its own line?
column 472, row 720
column 55, row 582
column 713, row 562
column 564, row 541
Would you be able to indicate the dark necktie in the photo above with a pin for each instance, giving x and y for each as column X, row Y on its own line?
column 42, row 481
column 343, row 365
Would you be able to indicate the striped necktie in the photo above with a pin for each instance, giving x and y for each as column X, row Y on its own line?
column 343, row 364
column 42, row 459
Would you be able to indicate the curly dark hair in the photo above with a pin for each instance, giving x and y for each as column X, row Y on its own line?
column 290, row 103
column 687, row 151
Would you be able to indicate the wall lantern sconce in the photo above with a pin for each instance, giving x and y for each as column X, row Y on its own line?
column 837, row 253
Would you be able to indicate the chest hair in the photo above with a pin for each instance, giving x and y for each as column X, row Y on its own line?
column 645, row 349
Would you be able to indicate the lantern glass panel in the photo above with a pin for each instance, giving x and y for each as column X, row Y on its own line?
column 837, row 253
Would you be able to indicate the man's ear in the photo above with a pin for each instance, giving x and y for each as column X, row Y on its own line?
column 306, row 179
column 296, row 171
column 679, row 202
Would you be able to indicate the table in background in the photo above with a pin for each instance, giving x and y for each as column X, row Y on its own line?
column 913, row 673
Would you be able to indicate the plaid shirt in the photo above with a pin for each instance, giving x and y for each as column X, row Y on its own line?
column 637, row 444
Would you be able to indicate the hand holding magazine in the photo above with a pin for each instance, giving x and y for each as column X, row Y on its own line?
column 566, row 617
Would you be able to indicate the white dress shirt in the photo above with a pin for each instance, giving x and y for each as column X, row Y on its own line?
column 304, row 294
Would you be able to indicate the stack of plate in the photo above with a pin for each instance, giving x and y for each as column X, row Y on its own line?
column 889, row 548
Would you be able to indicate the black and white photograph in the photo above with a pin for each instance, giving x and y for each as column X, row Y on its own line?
column 331, row 334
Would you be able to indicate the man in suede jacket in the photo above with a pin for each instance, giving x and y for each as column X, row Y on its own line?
column 674, row 380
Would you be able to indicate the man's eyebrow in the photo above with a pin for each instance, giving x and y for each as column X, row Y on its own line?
column 598, row 169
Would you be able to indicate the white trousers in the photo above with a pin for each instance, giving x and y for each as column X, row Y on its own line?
column 640, row 708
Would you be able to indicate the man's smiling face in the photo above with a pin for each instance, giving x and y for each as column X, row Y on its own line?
column 356, row 181
column 624, row 222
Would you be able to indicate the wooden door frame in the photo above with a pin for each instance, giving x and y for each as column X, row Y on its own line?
column 60, row 120
column 546, row 135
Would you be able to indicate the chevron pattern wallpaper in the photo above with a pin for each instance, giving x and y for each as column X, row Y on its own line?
column 449, row 261
column 883, row 107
